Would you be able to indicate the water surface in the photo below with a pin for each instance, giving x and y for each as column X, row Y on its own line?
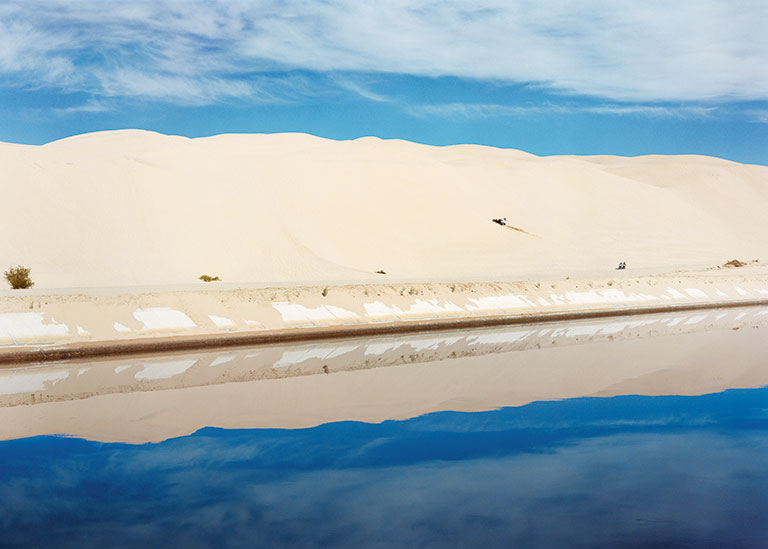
column 648, row 433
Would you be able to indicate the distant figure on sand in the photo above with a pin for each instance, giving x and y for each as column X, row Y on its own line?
column 622, row 265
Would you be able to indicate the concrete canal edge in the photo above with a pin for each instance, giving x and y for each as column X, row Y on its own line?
column 35, row 354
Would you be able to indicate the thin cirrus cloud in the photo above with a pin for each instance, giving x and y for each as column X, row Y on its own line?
column 206, row 51
column 483, row 110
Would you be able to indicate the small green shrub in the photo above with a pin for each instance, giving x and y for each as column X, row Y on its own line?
column 206, row 278
column 18, row 277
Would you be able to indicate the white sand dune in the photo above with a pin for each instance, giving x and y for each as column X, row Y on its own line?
column 128, row 208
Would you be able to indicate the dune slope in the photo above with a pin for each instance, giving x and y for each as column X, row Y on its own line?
column 132, row 207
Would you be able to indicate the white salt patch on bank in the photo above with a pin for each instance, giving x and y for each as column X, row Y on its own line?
column 741, row 290
column 26, row 383
column 164, row 370
column 674, row 293
column 557, row 299
column 222, row 322
column 295, row 313
column 721, row 293
column 378, row 311
column 163, row 318
column 423, row 308
column 82, row 332
column 119, row 369
column 431, row 308
column 583, row 298
column 695, row 292
column 341, row 314
column 451, row 307
column 120, row 328
column 593, row 297
column 30, row 325
column 496, row 303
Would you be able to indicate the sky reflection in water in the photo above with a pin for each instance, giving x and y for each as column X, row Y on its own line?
column 625, row 470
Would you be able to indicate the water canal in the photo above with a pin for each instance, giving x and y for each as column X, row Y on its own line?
column 631, row 431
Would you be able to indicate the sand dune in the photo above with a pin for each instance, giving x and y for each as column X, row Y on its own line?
column 132, row 207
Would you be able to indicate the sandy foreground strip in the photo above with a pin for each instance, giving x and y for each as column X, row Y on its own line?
column 141, row 399
column 37, row 328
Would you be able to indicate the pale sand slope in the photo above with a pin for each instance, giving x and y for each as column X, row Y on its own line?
column 129, row 208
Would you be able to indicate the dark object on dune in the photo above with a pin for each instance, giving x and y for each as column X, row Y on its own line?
column 206, row 278
column 734, row 263
column 500, row 221
column 381, row 272
column 622, row 266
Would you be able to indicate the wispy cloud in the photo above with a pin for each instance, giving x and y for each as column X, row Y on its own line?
column 759, row 115
column 202, row 51
column 475, row 110
column 90, row 106
column 361, row 90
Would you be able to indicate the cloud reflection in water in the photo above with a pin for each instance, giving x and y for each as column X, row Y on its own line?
column 624, row 470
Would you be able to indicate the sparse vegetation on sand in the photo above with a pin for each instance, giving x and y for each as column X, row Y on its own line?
column 207, row 278
column 18, row 277
column 737, row 263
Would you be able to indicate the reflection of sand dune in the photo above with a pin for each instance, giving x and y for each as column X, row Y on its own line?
column 153, row 398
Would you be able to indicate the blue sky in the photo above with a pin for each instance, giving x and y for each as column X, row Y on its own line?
column 549, row 77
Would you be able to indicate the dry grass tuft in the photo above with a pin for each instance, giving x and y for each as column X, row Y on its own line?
column 18, row 278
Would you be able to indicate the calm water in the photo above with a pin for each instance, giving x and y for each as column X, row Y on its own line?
column 625, row 470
